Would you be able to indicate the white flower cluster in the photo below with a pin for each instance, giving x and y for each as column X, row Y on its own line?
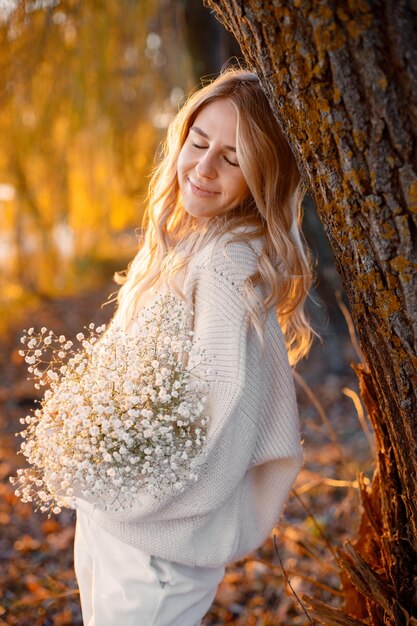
column 123, row 413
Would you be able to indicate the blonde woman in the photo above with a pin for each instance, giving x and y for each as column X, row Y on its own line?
column 223, row 231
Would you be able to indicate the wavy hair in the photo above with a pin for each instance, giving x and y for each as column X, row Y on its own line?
column 273, row 210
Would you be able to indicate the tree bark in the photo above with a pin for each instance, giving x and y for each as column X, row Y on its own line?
column 342, row 80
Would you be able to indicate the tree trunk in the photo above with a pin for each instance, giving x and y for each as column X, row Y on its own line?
column 342, row 79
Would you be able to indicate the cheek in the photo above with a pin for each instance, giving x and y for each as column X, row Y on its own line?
column 183, row 161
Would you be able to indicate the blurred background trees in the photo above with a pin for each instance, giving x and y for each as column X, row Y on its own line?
column 86, row 92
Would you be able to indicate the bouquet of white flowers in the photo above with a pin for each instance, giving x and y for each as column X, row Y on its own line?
column 124, row 413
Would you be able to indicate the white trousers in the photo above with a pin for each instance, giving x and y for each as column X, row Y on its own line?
column 122, row 586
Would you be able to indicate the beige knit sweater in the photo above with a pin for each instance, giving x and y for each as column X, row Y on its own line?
column 253, row 450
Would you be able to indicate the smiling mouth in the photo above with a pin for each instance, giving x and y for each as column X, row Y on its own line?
column 200, row 191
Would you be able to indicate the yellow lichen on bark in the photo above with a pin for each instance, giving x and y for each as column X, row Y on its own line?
column 365, row 282
column 359, row 25
column 324, row 11
column 382, row 83
column 305, row 65
column 337, row 95
column 281, row 14
column 358, row 6
column 403, row 266
column 392, row 281
column 357, row 179
column 412, row 197
column 359, row 138
column 354, row 180
column 386, row 302
column 331, row 37
column 342, row 15
column 389, row 231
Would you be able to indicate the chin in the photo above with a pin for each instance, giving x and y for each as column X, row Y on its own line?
column 195, row 213
column 199, row 218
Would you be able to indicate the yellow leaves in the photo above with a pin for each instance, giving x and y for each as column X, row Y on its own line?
column 123, row 213
column 77, row 138
column 12, row 291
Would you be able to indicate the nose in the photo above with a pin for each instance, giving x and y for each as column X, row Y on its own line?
column 206, row 166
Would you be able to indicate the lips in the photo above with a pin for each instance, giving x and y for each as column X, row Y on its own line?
column 198, row 190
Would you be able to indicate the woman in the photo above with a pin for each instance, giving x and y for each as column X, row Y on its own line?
column 224, row 213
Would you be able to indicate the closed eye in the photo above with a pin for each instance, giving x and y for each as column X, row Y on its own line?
column 230, row 162
column 196, row 145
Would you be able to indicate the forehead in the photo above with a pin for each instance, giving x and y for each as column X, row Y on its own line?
column 218, row 119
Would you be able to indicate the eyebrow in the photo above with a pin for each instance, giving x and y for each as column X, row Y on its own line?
column 198, row 130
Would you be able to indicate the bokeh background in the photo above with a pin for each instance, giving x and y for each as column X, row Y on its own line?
column 87, row 90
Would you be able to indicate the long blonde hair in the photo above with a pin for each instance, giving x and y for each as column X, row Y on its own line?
column 273, row 210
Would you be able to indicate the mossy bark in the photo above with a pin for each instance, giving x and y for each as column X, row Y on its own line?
column 342, row 80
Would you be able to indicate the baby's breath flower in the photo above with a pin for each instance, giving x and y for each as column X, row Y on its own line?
column 122, row 414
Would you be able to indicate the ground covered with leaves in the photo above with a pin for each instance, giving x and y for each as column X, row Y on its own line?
column 269, row 587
